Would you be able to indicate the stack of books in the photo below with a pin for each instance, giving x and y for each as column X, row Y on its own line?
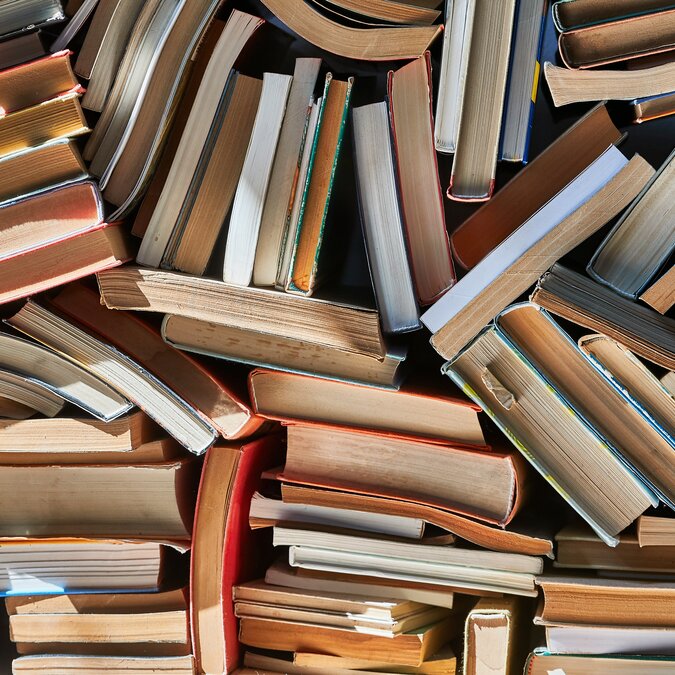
column 230, row 275
column 633, row 38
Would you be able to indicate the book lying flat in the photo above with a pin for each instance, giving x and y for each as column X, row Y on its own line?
column 485, row 485
column 579, row 548
column 281, row 574
column 544, row 663
column 569, row 14
column 32, row 169
column 475, row 160
column 56, row 566
column 30, row 393
column 656, row 531
column 66, row 379
column 41, row 219
column 583, row 301
column 98, row 501
column 575, row 86
column 570, row 638
column 224, row 550
column 178, row 417
column 32, row 83
column 212, row 397
column 125, row 624
column 267, row 512
column 629, row 38
column 413, row 412
column 609, row 602
column 410, row 110
column 68, row 258
column 444, row 565
column 22, row 47
column 641, row 240
column 591, row 200
column 377, row 44
column 410, row 649
column 381, row 219
column 282, row 353
column 346, row 327
column 59, row 117
column 518, row 538
column 508, row 370
column 652, row 107
column 111, row 665
column 534, row 186
column 661, row 294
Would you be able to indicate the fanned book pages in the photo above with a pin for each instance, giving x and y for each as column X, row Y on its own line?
column 643, row 238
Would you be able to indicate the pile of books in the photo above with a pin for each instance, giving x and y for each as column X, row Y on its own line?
column 226, row 441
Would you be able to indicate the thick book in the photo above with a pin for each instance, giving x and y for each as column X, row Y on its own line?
column 282, row 353
column 655, row 530
column 33, row 169
column 575, row 86
column 57, row 566
column 570, row 14
column 68, row 258
column 583, row 301
column 347, row 327
column 523, row 83
column 52, row 215
column 518, row 537
column 125, row 502
column 460, row 568
column 570, row 638
column 601, row 44
column 415, row 412
column 579, row 210
column 543, row 663
column 31, row 394
column 214, row 398
column 381, row 219
column 641, row 240
column 610, row 602
column 32, row 83
column 410, row 109
column 225, row 552
column 122, row 624
column 59, row 117
column 486, row 485
column 111, row 665
column 491, row 637
column 178, row 417
column 578, row 548
column 475, row 161
column 281, row 573
column 410, row 649
column 661, row 294
column 306, row 260
column 371, row 43
column 511, row 369
column 534, row 186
